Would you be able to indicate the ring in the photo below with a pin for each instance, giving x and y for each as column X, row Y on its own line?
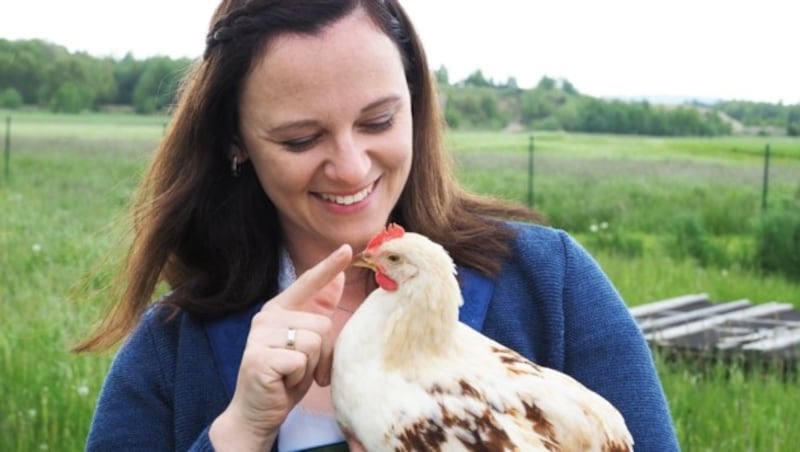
column 291, row 338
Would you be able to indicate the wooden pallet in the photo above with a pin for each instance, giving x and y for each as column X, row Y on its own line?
column 693, row 323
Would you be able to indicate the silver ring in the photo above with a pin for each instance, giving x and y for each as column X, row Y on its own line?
column 291, row 338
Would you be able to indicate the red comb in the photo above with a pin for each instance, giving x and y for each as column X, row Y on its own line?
column 392, row 231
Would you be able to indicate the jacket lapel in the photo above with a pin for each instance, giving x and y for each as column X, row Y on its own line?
column 476, row 290
column 228, row 336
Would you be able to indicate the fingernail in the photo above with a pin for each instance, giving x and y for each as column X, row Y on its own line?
column 341, row 251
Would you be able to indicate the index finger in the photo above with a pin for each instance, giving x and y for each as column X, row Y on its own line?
column 314, row 280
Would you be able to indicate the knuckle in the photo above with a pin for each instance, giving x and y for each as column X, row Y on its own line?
column 325, row 325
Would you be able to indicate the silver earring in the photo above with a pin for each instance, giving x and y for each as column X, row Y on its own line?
column 235, row 166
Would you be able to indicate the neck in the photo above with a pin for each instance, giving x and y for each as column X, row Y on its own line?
column 423, row 327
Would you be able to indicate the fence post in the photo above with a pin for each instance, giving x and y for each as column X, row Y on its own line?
column 8, row 146
column 765, row 183
column 530, row 171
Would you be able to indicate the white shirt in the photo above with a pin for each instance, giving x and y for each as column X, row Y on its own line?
column 303, row 429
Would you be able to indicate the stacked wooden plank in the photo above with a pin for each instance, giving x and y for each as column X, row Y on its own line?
column 693, row 323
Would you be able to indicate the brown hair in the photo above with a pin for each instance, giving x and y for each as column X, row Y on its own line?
column 213, row 237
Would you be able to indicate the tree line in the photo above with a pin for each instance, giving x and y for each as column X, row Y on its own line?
column 556, row 104
column 46, row 75
column 34, row 72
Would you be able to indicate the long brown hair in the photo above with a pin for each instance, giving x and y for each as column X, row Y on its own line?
column 214, row 238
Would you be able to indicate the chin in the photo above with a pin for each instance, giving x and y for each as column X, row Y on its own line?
column 359, row 235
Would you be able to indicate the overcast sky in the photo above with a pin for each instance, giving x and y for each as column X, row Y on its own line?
column 734, row 49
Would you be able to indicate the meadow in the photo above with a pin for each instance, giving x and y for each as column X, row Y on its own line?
column 629, row 200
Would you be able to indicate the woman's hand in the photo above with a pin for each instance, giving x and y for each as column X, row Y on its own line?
column 275, row 374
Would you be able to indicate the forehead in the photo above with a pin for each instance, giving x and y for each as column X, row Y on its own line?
column 350, row 57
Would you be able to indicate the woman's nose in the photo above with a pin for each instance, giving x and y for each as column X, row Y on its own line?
column 349, row 162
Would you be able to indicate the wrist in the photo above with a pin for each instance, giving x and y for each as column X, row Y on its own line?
column 227, row 434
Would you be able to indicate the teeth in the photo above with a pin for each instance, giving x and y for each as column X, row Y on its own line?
column 349, row 199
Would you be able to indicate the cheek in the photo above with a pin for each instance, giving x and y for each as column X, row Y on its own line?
column 401, row 156
column 282, row 177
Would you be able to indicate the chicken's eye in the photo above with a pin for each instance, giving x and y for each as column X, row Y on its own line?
column 393, row 258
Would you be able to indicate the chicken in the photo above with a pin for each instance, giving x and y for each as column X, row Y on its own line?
column 408, row 376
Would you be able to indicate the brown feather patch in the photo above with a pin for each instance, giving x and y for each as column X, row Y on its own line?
column 475, row 431
column 516, row 363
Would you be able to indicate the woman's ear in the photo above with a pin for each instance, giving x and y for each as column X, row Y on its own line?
column 237, row 156
column 238, row 150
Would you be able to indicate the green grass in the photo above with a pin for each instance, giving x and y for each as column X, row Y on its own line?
column 72, row 176
column 60, row 207
column 726, row 408
column 727, row 149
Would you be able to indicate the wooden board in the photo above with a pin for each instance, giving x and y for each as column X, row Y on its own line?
column 694, row 323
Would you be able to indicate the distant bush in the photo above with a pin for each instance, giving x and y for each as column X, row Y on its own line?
column 778, row 243
column 549, row 123
column 613, row 240
column 690, row 239
column 10, row 98
column 71, row 98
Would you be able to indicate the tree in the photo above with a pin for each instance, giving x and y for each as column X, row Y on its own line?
column 158, row 84
column 21, row 64
column 546, row 84
column 442, row 76
column 511, row 83
column 477, row 79
column 10, row 98
column 70, row 98
column 568, row 88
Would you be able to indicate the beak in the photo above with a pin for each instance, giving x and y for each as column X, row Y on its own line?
column 364, row 259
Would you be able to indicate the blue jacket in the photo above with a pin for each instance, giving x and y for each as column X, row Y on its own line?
column 551, row 302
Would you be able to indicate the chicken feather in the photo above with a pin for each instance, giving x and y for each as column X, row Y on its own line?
column 407, row 376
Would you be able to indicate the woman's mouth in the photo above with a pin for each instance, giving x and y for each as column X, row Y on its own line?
column 348, row 200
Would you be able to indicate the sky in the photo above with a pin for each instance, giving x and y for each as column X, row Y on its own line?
column 661, row 50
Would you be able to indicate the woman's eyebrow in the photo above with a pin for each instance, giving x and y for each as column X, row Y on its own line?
column 381, row 102
column 292, row 125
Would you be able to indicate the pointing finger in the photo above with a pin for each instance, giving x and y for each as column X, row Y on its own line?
column 320, row 286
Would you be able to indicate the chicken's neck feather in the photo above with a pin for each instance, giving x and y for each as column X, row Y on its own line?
column 422, row 325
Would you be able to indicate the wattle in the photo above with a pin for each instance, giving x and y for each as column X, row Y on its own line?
column 385, row 282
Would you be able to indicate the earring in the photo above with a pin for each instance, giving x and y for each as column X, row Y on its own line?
column 235, row 166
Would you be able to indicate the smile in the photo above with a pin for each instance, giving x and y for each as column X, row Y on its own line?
column 348, row 199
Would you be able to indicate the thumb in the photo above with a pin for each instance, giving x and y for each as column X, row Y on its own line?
column 319, row 288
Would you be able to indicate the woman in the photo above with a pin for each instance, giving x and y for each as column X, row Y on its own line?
column 307, row 126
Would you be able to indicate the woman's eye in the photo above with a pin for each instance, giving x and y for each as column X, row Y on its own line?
column 300, row 144
column 380, row 124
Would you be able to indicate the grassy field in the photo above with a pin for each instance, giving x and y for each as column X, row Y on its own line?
column 70, row 178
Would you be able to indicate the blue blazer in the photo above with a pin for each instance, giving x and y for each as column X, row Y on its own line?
column 551, row 302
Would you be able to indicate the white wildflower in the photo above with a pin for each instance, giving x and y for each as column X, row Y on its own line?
column 36, row 247
column 593, row 228
column 83, row 390
column 31, row 413
column 604, row 225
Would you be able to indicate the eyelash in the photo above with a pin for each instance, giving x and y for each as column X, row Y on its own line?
column 385, row 123
column 304, row 143
column 301, row 144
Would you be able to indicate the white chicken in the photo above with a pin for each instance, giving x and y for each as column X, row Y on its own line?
column 408, row 376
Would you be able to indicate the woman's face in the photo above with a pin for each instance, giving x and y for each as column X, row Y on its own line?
column 326, row 122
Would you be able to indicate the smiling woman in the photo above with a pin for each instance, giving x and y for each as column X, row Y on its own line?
column 333, row 157
column 306, row 128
